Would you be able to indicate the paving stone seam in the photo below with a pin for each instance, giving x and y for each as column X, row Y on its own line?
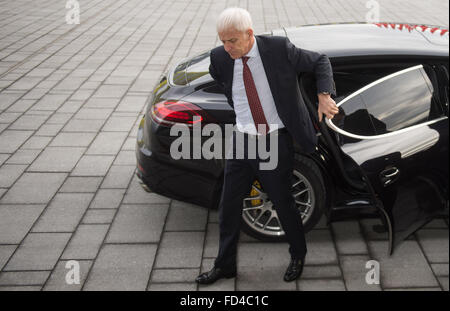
column 43, row 211
column 21, row 15
column 427, row 260
column 45, row 47
column 57, row 13
column 131, row 179
column 333, row 239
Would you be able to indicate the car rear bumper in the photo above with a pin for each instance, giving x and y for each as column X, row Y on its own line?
column 168, row 179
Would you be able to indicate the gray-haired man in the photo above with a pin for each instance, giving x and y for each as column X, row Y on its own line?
column 259, row 76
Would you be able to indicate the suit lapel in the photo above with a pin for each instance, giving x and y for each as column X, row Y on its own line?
column 228, row 76
column 269, row 66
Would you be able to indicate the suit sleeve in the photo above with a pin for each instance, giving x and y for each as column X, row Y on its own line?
column 213, row 71
column 309, row 61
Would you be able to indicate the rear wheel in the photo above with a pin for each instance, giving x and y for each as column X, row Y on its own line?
column 260, row 219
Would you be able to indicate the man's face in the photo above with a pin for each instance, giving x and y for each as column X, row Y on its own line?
column 236, row 43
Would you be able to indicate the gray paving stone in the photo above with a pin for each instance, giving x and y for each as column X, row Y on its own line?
column 70, row 106
column 90, row 165
column 39, row 251
column 72, row 140
column 16, row 221
column 136, row 195
column 321, row 285
column 173, row 287
column 321, row 250
column 180, row 250
column 37, row 142
column 7, row 99
column 57, row 159
column 93, row 114
column 130, row 144
column 348, row 238
column 443, row 280
column 25, row 83
column 57, row 280
column 321, row 272
column 40, row 188
column 50, row 102
column 77, row 125
column 28, row 122
column 99, row 216
column 49, row 130
column 9, row 117
column 122, row 267
column 434, row 243
column 174, row 275
column 107, row 143
column 95, row 102
column 5, row 253
column 132, row 103
column 81, row 184
column 3, row 158
column 107, row 198
column 414, row 289
column 22, row 105
column 23, row 277
column 114, row 91
column 10, row 141
column 355, row 271
column 184, row 217
column 64, row 212
column 138, row 224
column 261, row 266
column 82, row 94
column 23, row 156
column 119, row 123
column 10, row 173
column 396, row 269
column 119, row 176
column 20, row 288
column 126, row 157
column 85, row 242
column 440, row 269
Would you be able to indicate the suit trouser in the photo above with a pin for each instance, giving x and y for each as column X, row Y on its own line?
column 239, row 175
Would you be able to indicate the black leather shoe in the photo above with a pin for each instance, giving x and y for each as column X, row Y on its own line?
column 216, row 274
column 294, row 269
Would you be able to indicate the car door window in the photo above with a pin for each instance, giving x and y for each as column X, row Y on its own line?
column 401, row 100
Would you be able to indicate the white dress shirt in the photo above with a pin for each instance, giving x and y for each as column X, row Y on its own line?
column 244, row 118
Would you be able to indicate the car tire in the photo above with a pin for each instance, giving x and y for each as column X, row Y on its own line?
column 306, row 175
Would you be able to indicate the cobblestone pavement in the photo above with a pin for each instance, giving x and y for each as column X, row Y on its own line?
column 71, row 97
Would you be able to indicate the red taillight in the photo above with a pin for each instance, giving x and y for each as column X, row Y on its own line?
column 171, row 112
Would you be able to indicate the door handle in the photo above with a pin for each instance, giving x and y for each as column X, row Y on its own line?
column 388, row 176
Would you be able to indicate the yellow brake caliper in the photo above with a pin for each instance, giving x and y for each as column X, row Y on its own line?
column 254, row 193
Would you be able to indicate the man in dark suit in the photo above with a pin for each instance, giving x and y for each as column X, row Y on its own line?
column 259, row 76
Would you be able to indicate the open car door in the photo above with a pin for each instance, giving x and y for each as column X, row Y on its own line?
column 396, row 130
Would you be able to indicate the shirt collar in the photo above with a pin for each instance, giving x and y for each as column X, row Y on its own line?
column 254, row 50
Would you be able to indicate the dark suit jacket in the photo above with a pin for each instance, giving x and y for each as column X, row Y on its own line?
column 283, row 63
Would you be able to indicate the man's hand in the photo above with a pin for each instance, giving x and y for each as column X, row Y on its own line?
column 327, row 106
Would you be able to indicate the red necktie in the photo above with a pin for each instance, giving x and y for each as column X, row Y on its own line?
column 253, row 98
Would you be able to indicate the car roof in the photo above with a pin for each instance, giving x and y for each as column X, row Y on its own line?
column 366, row 39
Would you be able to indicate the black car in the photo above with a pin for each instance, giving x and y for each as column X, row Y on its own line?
column 385, row 153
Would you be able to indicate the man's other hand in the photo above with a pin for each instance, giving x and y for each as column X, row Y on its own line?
column 327, row 106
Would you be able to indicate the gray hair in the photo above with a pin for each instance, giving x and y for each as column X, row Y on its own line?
column 234, row 18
